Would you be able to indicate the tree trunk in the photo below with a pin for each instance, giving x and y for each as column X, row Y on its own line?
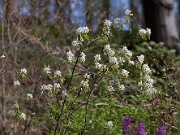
column 160, row 17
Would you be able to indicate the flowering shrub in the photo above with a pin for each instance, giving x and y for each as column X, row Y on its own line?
column 94, row 91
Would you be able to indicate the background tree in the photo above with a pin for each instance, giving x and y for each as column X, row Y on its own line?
column 160, row 17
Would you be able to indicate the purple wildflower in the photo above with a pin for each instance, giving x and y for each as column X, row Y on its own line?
column 161, row 130
column 141, row 129
column 126, row 124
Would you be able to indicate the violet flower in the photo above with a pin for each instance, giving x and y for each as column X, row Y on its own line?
column 141, row 129
column 126, row 124
column 161, row 130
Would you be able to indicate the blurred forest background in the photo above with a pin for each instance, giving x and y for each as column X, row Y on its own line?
column 35, row 33
column 163, row 17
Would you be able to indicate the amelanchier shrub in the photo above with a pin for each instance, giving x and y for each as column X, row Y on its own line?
column 110, row 92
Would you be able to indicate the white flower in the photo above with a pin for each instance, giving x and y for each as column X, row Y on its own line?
column 151, row 90
column 84, row 83
column 148, row 79
column 23, row 71
column 97, row 57
column 141, row 58
column 100, row 67
column 121, row 87
column 110, row 88
column 128, row 13
column 76, row 43
column 146, row 69
column 82, row 30
column 143, row 33
column 148, row 32
column 57, row 73
column 57, row 85
column 29, row 96
column 82, row 57
column 109, row 124
column 86, row 76
column 64, row 92
column 22, row 116
column 2, row 56
column 113, row 60
column 121, row 60
column 70, row 56
column 131, row 62
column 43, row 87
column 12, row 113
column 47, row 70
column 127, row 53
column 108, row 51
column 125, row 73
column 140, row 83
column 48, row 87
column 116, row 21
column 90, row 121
column 17, row 83
column 16, row 106
column 107, row 23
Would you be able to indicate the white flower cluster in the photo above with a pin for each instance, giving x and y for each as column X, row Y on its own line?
column 82, row 30
column 125, row 73
column 127, row 53
column 22, row 116
column 16, row 106
column 57, row 73
column 16, row 112
column 100, row 67
column 86, row 76
column 70, row 56
column 121, row 87
column 110, row 124
column 2, row 56
column 140, row 59
column 107, row 24
column 128, row 13
column 108, row 51
column 145, row 33
column 146, row 80
column 76, row 43
column 146, row 69
column 12, row 113
column 47, row 70
column 57, row 85
column 121, row 60
column 29, row 96
column 97, row 57
column 116, row 21
column 82, row 57
column 85, row 83
column 23, row 71
column 17, row 83
column 110, row 88
column 113, row 60
column 48, row 87
column 107, row 27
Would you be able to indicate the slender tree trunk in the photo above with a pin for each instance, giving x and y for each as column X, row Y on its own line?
column 105, row 8
column 178, row 16
column 160, row 17
column 89, row 13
